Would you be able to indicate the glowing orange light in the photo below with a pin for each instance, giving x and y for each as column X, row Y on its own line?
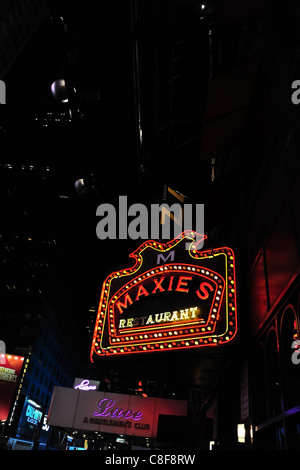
column 191, row 277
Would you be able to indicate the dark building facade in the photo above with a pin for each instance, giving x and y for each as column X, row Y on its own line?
column 41, row 311
column 273, row 237
column 182, row 94
column 263, row 216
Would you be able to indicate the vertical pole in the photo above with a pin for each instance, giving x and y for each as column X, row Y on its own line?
column 136, row 76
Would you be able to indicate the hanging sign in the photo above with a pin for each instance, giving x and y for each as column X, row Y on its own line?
column 173, row 297
column 10, row 373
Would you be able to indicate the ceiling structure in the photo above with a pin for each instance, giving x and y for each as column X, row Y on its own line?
column 141, row 74
column 156, row 89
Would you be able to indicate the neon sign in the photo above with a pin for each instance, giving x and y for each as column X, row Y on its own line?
column 171, row 298
column 33, row 415
column 85, row 385
column 106, row 409
column 10, row 373
column 111, row 412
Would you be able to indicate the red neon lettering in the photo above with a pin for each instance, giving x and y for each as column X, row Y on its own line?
column 205, row 293
column 182, row 281
column 158, row 285
column 171, row 283
column 141, row 291
column 121, row 305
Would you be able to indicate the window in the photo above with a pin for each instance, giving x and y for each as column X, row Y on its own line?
column 290, row 371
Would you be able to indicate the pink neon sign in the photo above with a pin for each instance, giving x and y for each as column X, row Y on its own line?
column 106, row 409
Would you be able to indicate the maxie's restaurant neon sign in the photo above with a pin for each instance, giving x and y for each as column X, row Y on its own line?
column 171, row 298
